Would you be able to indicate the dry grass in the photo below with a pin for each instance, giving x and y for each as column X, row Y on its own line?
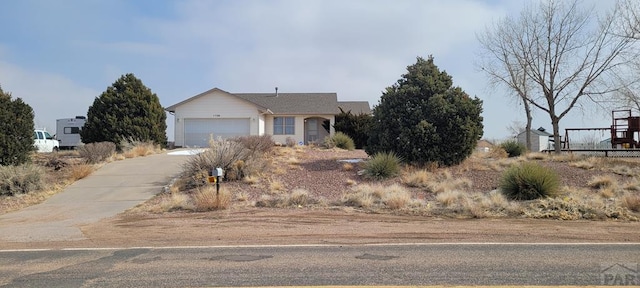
column 276, row 187
column 448, row 198
column 242, row 196
column 176, row 201
column 631, row 202
column 446, row 182
column 602, row 181
column 206, row 199
column 537, row 156
column 80, row 171
column 298, row 197
column 351, row 182
column 420, row 178
column 251, row 180
column 377, row 196
column 347, row 166
column 587, row 164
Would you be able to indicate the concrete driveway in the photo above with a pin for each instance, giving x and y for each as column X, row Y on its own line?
column 112, row 189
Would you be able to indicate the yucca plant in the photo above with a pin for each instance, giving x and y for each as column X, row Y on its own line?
column 382, row 165
column 529, row 181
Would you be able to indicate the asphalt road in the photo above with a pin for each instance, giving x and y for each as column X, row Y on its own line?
column 420, row 264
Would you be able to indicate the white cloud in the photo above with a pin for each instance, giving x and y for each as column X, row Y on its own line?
column 50, row 95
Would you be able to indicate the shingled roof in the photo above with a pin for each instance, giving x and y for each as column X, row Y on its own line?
column 356, row 107
column 295, row 103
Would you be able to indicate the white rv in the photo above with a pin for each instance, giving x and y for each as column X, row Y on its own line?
column 68, row 131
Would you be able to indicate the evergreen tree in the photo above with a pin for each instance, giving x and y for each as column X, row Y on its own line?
column 126, row 110
column 356, row 126
column 16, row 130
column 423, row 118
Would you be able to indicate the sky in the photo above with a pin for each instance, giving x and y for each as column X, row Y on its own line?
column 58, row 56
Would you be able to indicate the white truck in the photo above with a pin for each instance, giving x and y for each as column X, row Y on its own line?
column 44, row 142
column 68, row 131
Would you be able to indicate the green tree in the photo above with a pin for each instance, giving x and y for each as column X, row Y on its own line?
column 126, row 110
column 16, row 130
column 355, row 125
column 423, row 118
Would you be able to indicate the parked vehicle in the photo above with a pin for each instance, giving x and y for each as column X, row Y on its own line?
column 68, row 131
column 44, row 142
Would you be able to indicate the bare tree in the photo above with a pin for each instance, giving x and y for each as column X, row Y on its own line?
column 517, row 127
column 506, row 68
column 566, row 55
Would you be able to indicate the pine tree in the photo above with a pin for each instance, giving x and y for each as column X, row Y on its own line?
column 127, row 110
column 423, row 118
column 16, row 130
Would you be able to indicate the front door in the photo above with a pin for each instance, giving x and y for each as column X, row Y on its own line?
column 311, row 131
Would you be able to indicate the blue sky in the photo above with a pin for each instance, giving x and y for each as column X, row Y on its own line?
column 59, row 55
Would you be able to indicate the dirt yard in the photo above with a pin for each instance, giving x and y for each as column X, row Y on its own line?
column 427, row 218
column 327, row 221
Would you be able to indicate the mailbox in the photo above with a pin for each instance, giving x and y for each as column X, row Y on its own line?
column 217, row 172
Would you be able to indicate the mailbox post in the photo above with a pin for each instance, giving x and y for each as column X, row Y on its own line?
column 218, row 173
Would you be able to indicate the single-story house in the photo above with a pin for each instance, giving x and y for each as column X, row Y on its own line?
column 539, row 139
column 302, row 117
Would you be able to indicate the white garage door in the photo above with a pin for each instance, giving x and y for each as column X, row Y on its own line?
column 197, row 132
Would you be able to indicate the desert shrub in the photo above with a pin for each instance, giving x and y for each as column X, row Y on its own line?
column 233, row 157
column 298, row 197
column 207, row 199
column 631, row 202
column 21, row 179
column 529, row 181
column 382, row 165
column 259, row 144
column 602, row 181
column 132, row 148
column 290, row 142
column 372, row 196
column 420, row 178
column 513, row 148
column 77, row 172
column 340, row 140
column 96, row 152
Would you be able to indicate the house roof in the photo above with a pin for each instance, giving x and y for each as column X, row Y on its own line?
column 172, row 108
column 283, row 103
column 295, row 103
column 356, row 107
column 537, row 132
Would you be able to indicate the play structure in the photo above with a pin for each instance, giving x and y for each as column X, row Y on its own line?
column 624, row 131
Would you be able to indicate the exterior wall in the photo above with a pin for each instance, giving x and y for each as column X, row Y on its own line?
column 299, row 127
column 538, row 142
column 217, row 104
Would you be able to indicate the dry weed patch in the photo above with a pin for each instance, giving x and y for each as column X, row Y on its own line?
column 603, row 181
column 80, row 171
column 206, row 198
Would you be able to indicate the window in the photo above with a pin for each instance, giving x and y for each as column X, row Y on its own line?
column 71, row 130
column 284, row 125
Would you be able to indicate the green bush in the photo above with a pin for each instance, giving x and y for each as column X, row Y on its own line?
column 529, row 181
column 382, row 165
column 21, row 179
column 339, row 140
column 355, row 125
column 96, row 152
column 513, row 148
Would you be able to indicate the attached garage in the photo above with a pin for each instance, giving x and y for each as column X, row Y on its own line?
column 198, row 132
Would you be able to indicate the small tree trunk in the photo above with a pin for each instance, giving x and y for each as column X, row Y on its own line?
column 527, row 110
column 555, row 122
